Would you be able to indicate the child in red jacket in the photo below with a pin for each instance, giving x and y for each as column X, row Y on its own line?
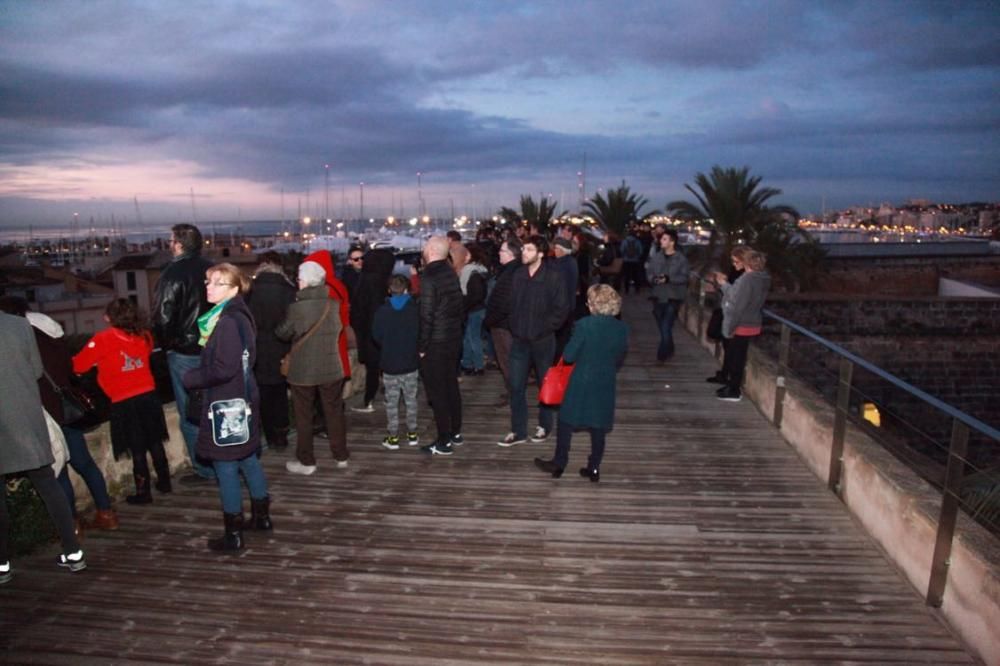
column 121, row 354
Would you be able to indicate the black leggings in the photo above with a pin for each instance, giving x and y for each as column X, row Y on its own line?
column 44, row 481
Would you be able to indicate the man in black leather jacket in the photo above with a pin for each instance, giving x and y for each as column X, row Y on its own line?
column 442, row 310
column 180, row 299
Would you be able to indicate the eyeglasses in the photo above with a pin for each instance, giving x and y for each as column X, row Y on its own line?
column 209, row 283
column 355, row 259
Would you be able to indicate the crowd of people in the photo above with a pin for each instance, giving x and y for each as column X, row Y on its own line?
column 240, row 352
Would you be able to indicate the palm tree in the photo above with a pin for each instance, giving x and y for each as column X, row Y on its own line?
column 619, row 210
column 738, row 210
column 538, row 214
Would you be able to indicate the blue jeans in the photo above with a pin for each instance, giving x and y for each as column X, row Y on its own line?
column 180, row 364
column 524, row 355
column 228, row 472
column 83, row 464
column 472, row 343
column 665, row 313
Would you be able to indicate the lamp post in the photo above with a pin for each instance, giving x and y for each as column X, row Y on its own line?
column 362, row 185
column 326, row 211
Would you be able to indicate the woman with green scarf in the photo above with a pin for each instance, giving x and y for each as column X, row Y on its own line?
column 229, row 428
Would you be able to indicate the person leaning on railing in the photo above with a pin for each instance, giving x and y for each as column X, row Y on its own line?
column 742, row 303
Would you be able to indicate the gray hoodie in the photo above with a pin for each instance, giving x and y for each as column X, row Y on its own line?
column 742, row 301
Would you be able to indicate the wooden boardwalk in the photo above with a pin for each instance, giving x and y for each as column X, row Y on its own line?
column 706, row 542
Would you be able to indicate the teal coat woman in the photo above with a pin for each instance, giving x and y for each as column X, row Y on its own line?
column 597, row 349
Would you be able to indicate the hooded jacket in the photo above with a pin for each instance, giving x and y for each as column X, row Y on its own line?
column 368, row 297
column 315, row 362
column 268, row 301
column 395, row 331
column 336, row 290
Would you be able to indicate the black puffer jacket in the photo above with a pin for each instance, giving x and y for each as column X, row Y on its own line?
column 180, row 300
column 442, row 306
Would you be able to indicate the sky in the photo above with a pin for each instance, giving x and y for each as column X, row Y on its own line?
column 163, row 112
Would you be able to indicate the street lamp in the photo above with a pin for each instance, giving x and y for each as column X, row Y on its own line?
column 362, row 215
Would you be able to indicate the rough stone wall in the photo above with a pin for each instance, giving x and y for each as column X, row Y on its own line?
column 904, row 276
column 949, row 348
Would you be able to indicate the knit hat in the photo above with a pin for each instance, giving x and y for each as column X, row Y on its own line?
column 311, row 274
column 563, row 243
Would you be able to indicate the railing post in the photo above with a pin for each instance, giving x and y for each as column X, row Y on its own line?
column 840, row 425
column 779, row 385
column 949, row 513
column 701, row 310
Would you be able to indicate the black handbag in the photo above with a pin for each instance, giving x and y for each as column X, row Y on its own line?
column 79, row 407
column 713, row 331
column 195, row 406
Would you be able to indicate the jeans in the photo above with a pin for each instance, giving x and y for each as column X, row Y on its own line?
column 665, row 313
column 565, row 435
column 178, row 365
column 472, row 344
column 228, row 472
column 83, row 464
column 524, row 355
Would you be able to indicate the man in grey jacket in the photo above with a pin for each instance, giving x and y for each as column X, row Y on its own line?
column 667, row 270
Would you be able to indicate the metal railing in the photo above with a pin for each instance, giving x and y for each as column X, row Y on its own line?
column 957, row 449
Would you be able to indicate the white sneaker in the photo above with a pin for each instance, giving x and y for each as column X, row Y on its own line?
column 364, row 409
column 341, row 464
column 540, row 435
column 73, row 561
column 295, row 467
column 511, row 440
column 5, row 572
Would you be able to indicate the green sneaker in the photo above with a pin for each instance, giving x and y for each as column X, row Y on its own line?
column 391, row 442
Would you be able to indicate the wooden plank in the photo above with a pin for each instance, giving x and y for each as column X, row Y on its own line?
column 706, row 542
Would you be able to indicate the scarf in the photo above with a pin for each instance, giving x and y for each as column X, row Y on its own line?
column 207, row 322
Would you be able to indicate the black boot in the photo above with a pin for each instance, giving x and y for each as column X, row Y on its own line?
column 163, row 477
column 260, row 514
column 232, row 538
column 142, row 492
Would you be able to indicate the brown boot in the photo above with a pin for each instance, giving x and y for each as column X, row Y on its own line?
column 105, row 520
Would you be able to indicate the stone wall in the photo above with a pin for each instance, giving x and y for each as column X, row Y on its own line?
column 949, row 348
column 118, row 473
column 904, row 276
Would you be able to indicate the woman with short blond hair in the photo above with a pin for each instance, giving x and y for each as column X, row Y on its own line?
column 597, row 349
column 225, row 376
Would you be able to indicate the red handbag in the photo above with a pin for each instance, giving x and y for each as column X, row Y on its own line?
column 554, row 384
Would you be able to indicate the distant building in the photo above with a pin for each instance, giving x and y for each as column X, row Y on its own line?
column 78, row 305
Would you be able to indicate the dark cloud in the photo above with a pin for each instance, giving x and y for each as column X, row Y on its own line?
column 473, row 93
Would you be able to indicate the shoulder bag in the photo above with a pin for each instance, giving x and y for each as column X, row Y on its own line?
column 230, row 419
column 286, row 360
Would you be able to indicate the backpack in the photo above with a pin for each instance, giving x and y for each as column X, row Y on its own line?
column 631, row 249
